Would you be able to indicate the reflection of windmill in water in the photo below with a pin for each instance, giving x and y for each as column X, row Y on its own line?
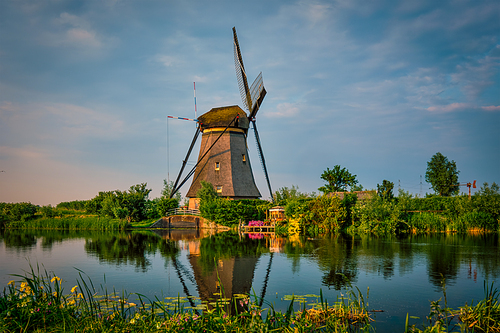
column 230, row 275
column 223, row 159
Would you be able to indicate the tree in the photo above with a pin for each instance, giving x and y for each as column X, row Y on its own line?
column 385, row 190
column 168, row 186
column 284, row 195
column 338, row 179
column 442, row 175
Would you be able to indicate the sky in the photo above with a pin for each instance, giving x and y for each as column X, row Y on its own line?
column 377, row 87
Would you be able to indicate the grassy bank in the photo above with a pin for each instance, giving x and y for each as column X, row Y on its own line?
column 71, row 222
column 39, row 303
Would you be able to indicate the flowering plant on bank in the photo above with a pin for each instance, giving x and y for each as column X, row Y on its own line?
column 255, row 223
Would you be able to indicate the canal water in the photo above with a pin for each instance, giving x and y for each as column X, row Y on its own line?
column 396, row 275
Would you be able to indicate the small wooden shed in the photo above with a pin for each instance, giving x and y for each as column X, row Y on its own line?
column 277, row 213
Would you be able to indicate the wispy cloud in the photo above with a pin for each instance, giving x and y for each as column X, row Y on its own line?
column 456, row 107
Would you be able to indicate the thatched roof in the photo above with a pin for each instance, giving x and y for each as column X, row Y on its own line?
column 221, row 117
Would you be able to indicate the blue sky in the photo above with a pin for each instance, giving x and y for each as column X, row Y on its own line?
column 377, row 87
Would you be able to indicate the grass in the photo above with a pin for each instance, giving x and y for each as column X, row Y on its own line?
column 83, row 222
column 484, row 317
column 38, row 303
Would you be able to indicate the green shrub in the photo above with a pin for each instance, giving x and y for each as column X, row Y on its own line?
column 427, row 222
column 19, row 211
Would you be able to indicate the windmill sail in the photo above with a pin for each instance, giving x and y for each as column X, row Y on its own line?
column 262, row 160
column 241, row 76
column 252, row 97
column 257, row 94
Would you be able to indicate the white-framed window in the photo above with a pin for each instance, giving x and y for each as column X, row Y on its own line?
column 218, row 188
column 217, row 166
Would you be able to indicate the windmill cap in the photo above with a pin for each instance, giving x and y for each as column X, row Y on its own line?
column 221, row 117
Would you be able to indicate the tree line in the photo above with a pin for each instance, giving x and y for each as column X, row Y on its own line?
column 132, row 205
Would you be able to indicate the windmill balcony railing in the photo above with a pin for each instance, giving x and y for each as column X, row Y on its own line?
column 183, row 211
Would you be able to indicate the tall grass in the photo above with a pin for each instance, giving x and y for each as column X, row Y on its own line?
column 480, row 318
column 38, row 303
column 71, row 223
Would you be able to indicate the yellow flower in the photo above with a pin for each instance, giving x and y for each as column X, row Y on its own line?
column 11, row 282
column 74, row 289
column 55, row 278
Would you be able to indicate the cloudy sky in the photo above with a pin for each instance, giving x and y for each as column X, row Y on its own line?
column 375, row 86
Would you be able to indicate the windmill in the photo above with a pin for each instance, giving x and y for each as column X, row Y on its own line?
column 223, row 158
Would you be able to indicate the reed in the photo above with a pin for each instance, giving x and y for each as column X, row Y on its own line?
column 39, row 303
column 480, row 318
column 83, row 222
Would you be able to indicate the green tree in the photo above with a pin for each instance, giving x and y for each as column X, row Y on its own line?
column 337, row 180
column 168, row 186
column 284, row 195
column 165, row 204
column 487, row 199
column 208, row 197
column 385, row 190
column 442, row 175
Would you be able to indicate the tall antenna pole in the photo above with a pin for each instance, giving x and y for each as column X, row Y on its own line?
column 195, row 112
column 168, row 157
column 421, row 186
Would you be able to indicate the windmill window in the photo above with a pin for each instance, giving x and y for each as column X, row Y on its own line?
column 217, row 166
column 243, row 157
column 219, row 188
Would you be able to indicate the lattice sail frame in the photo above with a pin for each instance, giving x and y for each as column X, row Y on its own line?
column 241, row 76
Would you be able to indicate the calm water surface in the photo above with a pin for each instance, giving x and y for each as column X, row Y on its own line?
column 403, row 274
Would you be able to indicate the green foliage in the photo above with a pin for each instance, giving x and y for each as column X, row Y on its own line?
column 71, row 223
column 474, row 221
column 39, row 303
column 131, row 204
column 427, row 222
column 328, row 213
column 356, row 187
column 284, row 195
column 165, row 204
column 298, row 207
column 487, row 200
column 168, row 186
column 72, row 205
column 49, row 211
column 442, row 175
column 385, row 190
column 337, row 180
column 227, row 212
column 376, row 215
column 23, row 211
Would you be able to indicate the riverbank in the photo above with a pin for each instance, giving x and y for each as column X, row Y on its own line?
column 37, row 302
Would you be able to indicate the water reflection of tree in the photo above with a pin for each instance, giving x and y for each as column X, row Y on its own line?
column 337, row 256
column 129, row 248
column 19, row 239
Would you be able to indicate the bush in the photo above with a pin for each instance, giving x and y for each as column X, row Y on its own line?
column 23, row 211
column 475, row 221
column 427, row 222
column 49, row 211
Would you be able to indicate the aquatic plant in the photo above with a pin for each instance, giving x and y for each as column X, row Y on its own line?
column 38, row 303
